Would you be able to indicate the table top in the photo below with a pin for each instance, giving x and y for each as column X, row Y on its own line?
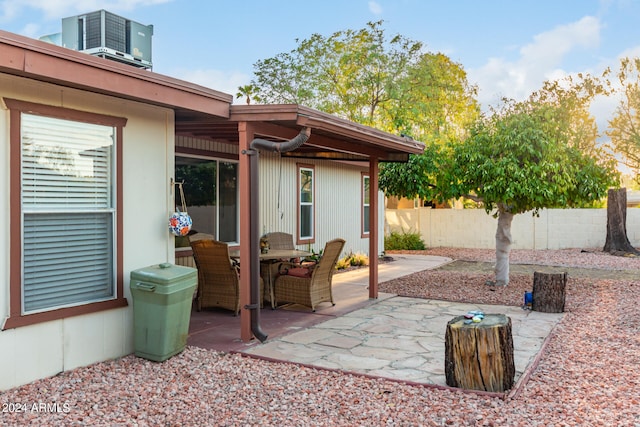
column 275, row 254
column 489, row 321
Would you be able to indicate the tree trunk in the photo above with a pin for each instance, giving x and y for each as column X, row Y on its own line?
column 479, row 356
column 617, row 242
column 503, row 247
column 549, row 292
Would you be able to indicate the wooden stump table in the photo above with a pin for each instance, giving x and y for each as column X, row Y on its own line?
column 479, row 356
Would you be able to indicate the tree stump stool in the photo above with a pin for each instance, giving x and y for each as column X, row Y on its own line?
column 479, row 356
column 549, row 292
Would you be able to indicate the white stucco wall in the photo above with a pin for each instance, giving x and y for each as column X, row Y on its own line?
column 473, row 228
column 41, row 350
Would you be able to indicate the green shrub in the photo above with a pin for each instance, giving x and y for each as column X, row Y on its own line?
column 403, row 241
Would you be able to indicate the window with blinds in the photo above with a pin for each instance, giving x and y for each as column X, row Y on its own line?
column 68, row 213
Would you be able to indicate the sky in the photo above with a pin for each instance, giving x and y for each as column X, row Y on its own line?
column 507, row 47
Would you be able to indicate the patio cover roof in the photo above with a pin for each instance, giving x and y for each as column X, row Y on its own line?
column 331, row 137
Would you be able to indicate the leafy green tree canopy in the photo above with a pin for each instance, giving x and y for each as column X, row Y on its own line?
column 366, row 77
column 521, row 160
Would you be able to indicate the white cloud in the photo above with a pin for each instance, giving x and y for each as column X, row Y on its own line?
column 43, row 12
column 629, row 53
column 227, row 82
column 375, row 8
column 540, row 60
column 57, row 9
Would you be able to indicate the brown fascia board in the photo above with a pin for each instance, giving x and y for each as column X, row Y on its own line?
column 309, row 117
column 380, row 139
column 265, row 113
column 46, row 62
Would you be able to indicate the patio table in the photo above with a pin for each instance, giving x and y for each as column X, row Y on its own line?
column 274, row 255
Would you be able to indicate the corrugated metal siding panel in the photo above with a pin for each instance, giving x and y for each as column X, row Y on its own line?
column 338, row 201
column 205, row 145
column 277, row 194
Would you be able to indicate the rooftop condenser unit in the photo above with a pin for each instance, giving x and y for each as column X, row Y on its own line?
column 110, row 36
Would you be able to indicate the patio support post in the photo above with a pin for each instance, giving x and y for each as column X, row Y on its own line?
column 249, row 223
column 245, row 134
column 373, row 227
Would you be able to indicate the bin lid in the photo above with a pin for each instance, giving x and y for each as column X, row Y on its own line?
column 164, row 274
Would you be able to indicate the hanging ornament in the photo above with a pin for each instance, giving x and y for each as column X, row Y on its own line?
column 180, row 221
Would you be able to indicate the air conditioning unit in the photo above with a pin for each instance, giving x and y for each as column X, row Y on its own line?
column 110, row 36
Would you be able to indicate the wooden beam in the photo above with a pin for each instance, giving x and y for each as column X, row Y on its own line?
column 246, row 135
column 272, row 130
column 362, row 148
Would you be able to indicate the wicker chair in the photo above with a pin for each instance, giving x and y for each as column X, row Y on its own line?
column 280, row 240
column 310, row 291
column 269, row 269
column 218, row 277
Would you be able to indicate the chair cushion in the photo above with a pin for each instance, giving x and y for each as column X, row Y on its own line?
column 299, row 272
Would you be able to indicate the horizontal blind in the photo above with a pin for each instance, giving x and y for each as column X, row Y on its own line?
column 65, row 164
column 68, row 213
column 67, row 259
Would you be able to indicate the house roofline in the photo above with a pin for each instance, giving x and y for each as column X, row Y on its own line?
column 26, row 57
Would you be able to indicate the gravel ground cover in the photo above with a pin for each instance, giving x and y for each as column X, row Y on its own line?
column 589, row 374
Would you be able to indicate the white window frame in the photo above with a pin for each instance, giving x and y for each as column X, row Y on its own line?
column 365, row 190
column 310, row 238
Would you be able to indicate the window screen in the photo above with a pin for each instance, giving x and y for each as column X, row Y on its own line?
column 67, row 212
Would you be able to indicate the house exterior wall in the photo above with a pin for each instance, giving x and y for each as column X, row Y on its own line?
column 474, row 228
column 338, row 198
column 36, row 351
column 338, row 201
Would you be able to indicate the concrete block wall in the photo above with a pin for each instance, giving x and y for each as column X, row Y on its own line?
column 473, row 228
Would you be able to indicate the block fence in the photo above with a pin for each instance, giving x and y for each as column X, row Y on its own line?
column 474, row 228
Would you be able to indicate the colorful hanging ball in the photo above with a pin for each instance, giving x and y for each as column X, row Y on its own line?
column 180, row 223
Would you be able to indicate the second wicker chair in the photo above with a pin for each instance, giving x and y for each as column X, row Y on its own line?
column 311, row 291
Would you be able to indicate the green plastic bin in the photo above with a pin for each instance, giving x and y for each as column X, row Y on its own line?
column 162, row 297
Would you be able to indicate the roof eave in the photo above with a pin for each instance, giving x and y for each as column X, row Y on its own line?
column 309, row 117
column 25, row 57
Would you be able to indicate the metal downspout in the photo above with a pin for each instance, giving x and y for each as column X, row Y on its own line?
column 254, row 201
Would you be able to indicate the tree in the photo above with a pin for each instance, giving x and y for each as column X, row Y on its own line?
column 624, row 127
column 248, row 92
column 523, row 160
column 617, row 242
column 624, row 131
column 368, row 78
column 539, row 153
